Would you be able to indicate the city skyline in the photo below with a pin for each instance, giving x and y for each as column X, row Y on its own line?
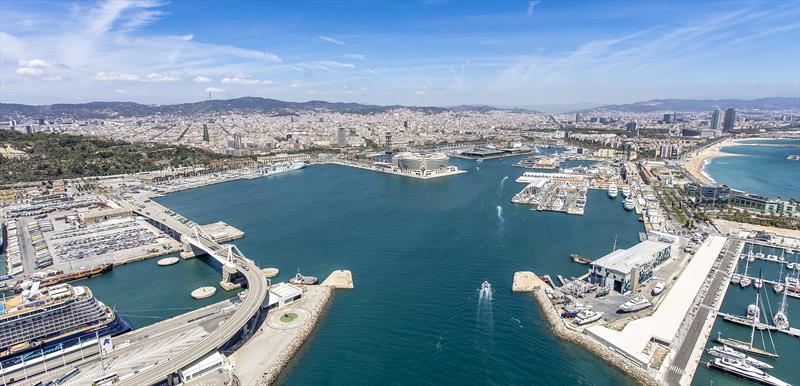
column 425, row 53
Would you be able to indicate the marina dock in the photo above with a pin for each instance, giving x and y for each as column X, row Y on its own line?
column 760, row 325
column 427, row 175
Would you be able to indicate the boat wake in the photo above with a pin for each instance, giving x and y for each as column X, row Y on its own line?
column 500, row 213
column 502, row 182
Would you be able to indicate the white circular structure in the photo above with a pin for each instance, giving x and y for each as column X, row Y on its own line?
column 168, row 261
column 204, row 292
column 418, row 161
column 270, row 272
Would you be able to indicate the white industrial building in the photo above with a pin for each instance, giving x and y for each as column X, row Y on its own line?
column 282, row 294
column 625, row 269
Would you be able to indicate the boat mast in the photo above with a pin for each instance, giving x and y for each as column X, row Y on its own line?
column 756, row 318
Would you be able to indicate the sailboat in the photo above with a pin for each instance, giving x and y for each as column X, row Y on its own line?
column 778, row 286
column 748, row 346
column 781, row 318
column 758, row 283
column 745, row 281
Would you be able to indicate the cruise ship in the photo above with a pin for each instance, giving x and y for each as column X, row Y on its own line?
column 43, row 320
column 282, row 167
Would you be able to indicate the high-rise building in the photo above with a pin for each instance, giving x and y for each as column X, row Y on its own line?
column 669, row 118
column 632, row 129
column 205, row 133
column 730, row 120
column 716, row 119
column 578, row 117
column 341, row 137
column 405, row 124
column 388, row 143
column 237, row 141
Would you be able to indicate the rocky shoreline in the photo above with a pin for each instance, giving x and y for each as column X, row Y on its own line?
column 590, row 344
column 273, row 373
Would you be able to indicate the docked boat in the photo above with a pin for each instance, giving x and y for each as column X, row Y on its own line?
column 736, row 278
column 745, row 281
column 790, row 265
column 777, row 287
column 283, row 167
column 633, row 305
column 759, row 255
column 758, row 283
column 304, row 280
column 727, row 352
column 626, row 191
column 658, row 288
column 587, row 316
column 603, row 291
column 629, row 204
column 612, row 191
column 580, row 259
column 40, row 321
column 744, row 370
column 781, row 318
column 558, row 204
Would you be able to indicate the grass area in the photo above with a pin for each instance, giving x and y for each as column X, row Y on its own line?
column 288, row 317
column 58, row 156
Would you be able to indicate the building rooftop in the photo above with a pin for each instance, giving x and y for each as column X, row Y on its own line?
column 623, row 260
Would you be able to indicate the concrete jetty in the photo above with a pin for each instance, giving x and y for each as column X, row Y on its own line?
column 340, row 279
column 560, row 330
column 270, row 272
column 204, row 292
column 263, row 358
column 526, row 281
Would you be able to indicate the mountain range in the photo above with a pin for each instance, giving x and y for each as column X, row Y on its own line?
column 105, row 110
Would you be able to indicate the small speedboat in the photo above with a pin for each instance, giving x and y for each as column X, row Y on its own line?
column 790, row 265
column 778, row 288
column 736, row 278
column 658, row 288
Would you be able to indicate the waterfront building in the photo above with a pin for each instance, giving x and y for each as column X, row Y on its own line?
column 341, row 137
column 624, row 270
column 716, row 120
column 418, row 161
column 205, row 366
column 762, row 204
column 96, row 216
column 282, row 294
column 714, row 194
column 730, row 120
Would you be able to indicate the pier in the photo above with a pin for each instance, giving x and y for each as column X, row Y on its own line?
column 791, row 331
column 418, row 174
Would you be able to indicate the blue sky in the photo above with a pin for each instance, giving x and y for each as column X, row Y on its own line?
column 521, row 53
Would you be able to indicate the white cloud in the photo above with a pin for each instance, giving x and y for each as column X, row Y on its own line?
column 120, row 91
column 187, row 37
column 371, row 71
column 201, row 79
column 532, row 5
column 421, row 92
column 38, row 68
column 156, row 77
column 34, row 63
column 214, row 90
column 329, row 65
column 331, row 40
column 115, row 76
column 244, row 79
column 357, row 56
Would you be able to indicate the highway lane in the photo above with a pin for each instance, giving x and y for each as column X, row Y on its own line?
column 257, row 291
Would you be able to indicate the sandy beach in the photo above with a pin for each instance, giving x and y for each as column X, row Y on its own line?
column 694, row 165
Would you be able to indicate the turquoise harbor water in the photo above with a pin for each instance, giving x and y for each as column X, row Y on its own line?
column 418, row 251
column 760, row 169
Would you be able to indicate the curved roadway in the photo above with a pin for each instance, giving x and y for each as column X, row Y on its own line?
column 257, row 290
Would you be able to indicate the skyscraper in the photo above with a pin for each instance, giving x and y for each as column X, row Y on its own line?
column 730, row 120
column 341, row 137
column 388, row 142
column 632, row 129
column 716, row 119
column 205, row 133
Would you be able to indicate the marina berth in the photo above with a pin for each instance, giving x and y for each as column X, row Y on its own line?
column 746, row 371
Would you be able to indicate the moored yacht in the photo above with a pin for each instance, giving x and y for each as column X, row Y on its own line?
column 626, row 192
column 587, row 316
column 612, row 191
column 744, row 370
column 629, row 203
column 658, row 288
column 300, row 279
column 727, row 352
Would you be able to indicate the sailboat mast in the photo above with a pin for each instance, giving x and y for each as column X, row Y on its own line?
column 756, row 318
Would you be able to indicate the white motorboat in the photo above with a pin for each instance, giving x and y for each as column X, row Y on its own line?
column 745, row 281
column 744, row 370
column 626, row 191
column 658, row 288
column 727, row 352
column 629, row 204
column 778, row 288
column 586, row 317
column 759, row 255
column 736, row 278
column 790, row 265
column 636, row 304
column 612, row 191
column 758, row 283
column 558, row 204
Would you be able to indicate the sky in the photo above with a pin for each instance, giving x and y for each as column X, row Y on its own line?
column 439, row 53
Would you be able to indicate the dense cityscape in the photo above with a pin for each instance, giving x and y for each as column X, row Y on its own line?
column 358, row 219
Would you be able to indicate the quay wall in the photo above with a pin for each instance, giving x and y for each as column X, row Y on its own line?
column 284, row 357
column 596, row 348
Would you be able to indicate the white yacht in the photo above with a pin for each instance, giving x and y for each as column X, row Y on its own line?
column 636, row 304
column 612, row 191
column 744, row 370
column 558, row 204
column 282, row 167
column 736, row 278
column 745, row 281
column 727, row 352
column 658, row 288
column 781, row 319
column 626, row 192
column 587, row 316
column 629, row 203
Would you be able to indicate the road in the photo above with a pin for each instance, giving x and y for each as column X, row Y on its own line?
column 684, row 354
column 257, row 291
